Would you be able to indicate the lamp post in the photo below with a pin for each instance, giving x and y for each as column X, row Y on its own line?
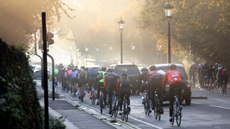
column 71, row 60
column 158, row 54
column 168, row 12
column 121, row 25
column 110, row 48
column 133, row 48
column 86, row 49
column 97, row 54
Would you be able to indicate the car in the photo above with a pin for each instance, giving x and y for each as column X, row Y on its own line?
column 186, row 91
column 133, row 73
column 95, row 67
column 36, row 69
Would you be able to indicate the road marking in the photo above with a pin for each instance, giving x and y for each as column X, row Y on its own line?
column 222, row 100
column 145, row 123
column 120, row 121
column 219, row 107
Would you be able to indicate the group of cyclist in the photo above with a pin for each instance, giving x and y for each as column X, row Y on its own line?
column 120, row 85
column 104, row 81
column 209, row 73
column 156, row 80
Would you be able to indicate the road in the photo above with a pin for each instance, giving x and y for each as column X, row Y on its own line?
column 213, row 112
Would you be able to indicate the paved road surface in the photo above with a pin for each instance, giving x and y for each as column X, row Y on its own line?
column 210, row 113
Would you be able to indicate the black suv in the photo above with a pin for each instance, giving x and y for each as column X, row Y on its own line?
column 133, row 74
column 186, row 91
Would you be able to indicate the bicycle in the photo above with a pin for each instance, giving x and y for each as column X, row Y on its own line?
column 146, row 103
column 74, row 88
column 125, row 113
column 82, row 92
column 115, row 106
column 93, row 95
column 157, row 109
column 210, row 86
column 101, row 99
column 224, row 91
column 176, row 109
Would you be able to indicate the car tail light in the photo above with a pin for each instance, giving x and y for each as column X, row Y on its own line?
column 188, row 86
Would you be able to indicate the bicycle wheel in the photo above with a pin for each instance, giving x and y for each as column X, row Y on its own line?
column 145, row 108
column 158, row 110
column 172, row 121
column 126, row 117
column 116, row 108
column 178, row 118
column 148, row 107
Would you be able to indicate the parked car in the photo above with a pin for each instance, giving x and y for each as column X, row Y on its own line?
column 186, row 91
column 133, row 74
column 36, row 69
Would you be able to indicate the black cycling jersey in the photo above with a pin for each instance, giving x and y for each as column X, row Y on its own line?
column 210, row 72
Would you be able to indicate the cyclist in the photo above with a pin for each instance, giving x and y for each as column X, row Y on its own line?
column 123, row 87
column 155, row 79
column 73, row 77
column 199, row 75
column 56, row 74
column 192, row 72
column 110, row 81
column 100, row 84
column 91, row 77
column 143, row 86
column 210, row 73
column 65, row 78
column 175, row 81
column 81, row 80
column 221, row 75
column 203, row 72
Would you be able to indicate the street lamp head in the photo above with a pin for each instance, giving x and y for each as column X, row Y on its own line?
column 77, row 49
column 97, row 49
column 168, row 10
column 86, row 48
column 121, row 24
column 132, row 46
column 110, row 47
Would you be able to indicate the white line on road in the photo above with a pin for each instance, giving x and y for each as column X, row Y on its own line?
column 145, row 123
column 222, row 100
column 219, row 107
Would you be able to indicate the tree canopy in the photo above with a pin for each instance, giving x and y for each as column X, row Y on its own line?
column 22, row 18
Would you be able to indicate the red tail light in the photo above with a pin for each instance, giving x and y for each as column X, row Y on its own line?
column 188, row 86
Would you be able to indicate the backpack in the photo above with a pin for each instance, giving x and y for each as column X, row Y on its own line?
column 92, row 73
column 124, row 83
column 65, row 74
column 223, row 73
column 155, row 76
column 82, row 73
column 100, row 76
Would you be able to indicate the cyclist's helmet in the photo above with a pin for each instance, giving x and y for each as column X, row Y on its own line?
column 144, row 69
column 103, row 69
column 205, row 64
column 82, row 67
column 109, row 70
column 172, row 66
column 210, row 65
column 201, row 65
column 220, row 68
column 152, row 67
column 216, row 64
column 219, row 65
column 124, row 75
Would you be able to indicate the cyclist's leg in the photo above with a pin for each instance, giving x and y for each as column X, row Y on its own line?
column 159, row 92
column 152, row 93
column 121, row 98
column 105, row 96
column 128, row 98
column 111, row 88
column 171, row 99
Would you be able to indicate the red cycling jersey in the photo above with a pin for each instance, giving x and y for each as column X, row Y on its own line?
column 173, row 76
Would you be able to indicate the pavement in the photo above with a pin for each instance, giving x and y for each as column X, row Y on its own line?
column 76, row 118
